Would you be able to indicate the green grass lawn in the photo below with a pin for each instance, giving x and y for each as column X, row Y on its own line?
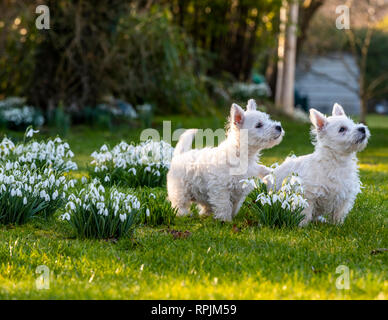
column 217, row 260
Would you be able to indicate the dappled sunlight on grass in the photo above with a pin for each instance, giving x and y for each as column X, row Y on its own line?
column 374, row 167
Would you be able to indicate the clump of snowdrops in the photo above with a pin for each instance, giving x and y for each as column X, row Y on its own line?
column 129, row 165
column 26, row 192
column 98, row 212
column 32, row 183
column 51, row 153
column 281, row 208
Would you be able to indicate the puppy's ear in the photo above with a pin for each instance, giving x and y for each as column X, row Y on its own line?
column 317, row 119
column 236, row 115
column 251, row 106
column 338, row 110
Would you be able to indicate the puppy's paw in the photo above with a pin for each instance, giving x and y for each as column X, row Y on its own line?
column 263, row 171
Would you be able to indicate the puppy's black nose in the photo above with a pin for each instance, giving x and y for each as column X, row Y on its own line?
column 278, row 128
column 362, row 130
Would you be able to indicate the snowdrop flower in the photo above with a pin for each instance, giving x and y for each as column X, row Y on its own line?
column 322, row 219
column 148, row 212
column 71, row 205
column 123, row 217
column 31, row 132
column 248, row 182
column 66, row 216
column 290, row 194
column 157, row 173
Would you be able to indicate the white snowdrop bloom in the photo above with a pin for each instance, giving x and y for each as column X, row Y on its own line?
column 322, row 219
column 100, row 205
column 84, row 180
column 104, row 148
column 70, row 205
column 69, row 154
column 31, row 132
column 55, row 195
column 152, row 195
column 148, row 212
column 107, row 179
column 8, row 166
column 24, row 200
column 245, row 183
column 66, row 216
column 275, row 198
column 72, row 197
column 123, row 217
column 285, row 205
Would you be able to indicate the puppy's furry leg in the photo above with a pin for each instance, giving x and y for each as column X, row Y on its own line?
column 221, row 204
column 237, row 205
column 179, row 201
column 178, row 198
column 308, row 215
column 204, row 210
column 341, row 213
column 183, row 208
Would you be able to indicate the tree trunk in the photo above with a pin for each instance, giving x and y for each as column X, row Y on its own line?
column 281, row 47
column 290, row 58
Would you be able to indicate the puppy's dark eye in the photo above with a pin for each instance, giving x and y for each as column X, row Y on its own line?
column 259, row 125
column 342, row 129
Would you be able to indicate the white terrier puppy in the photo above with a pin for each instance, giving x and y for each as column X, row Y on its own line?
column 209, row 176
column 330, row 174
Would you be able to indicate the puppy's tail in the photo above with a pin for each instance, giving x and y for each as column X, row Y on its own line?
column 185, row 141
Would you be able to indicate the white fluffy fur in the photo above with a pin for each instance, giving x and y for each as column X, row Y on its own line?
column 330, row 174
column 203, row 175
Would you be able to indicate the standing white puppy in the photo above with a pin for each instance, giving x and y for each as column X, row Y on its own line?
column 330, row 174
column 211, row 177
